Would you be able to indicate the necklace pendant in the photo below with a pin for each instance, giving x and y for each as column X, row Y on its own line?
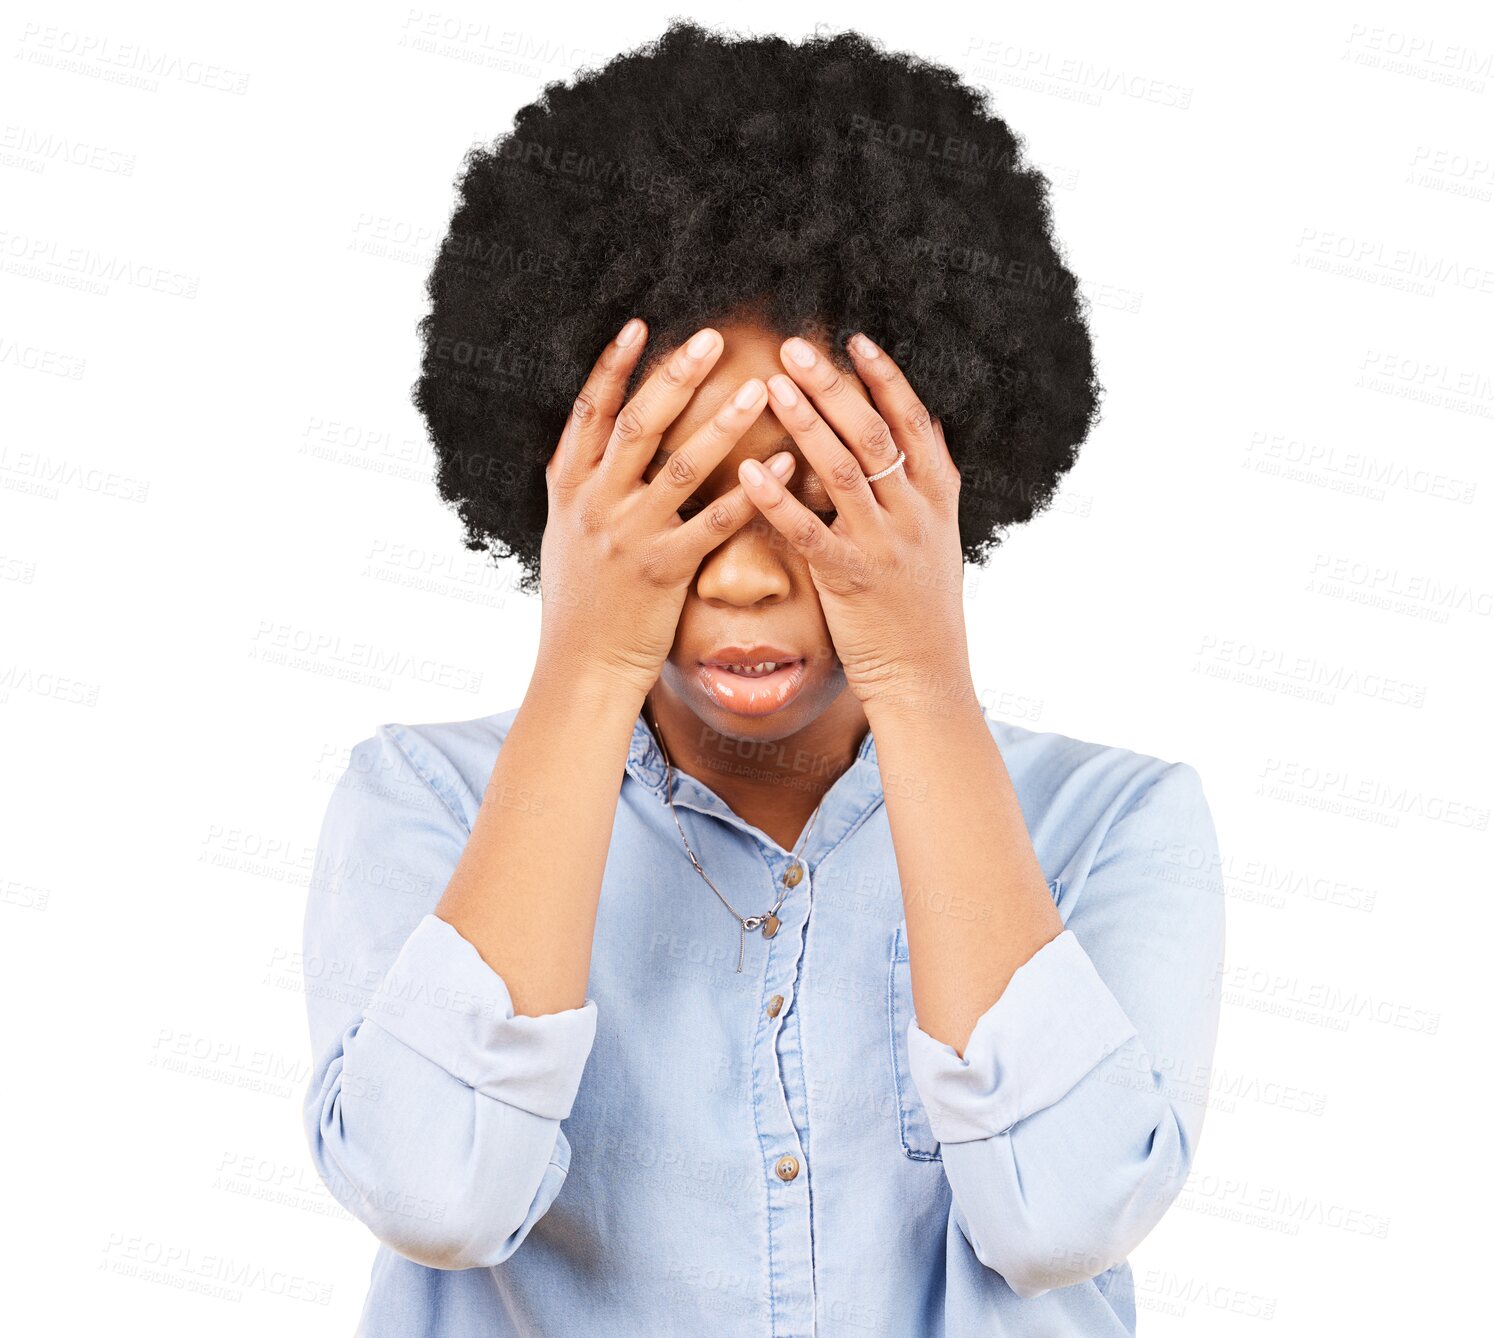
column 770, row 925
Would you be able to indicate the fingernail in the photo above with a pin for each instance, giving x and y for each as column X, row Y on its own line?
column 629, row 333
column 864, row 346
column 702, row 344
column 782, row 464
column 783, row 390
column 801, row 353
column 754, row 471
column 749, row 394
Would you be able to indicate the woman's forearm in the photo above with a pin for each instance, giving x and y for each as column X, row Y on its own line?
column 976, row 900
column 525, row 890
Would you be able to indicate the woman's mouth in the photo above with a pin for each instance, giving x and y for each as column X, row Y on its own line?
column 752, row 686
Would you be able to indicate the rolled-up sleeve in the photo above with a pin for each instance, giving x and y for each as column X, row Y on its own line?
column 433, row 1113
column 1016, row 1062
column 1069, row 1124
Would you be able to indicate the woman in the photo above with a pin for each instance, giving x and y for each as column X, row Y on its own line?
column 747, row 978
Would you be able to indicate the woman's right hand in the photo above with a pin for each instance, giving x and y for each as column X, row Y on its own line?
column 616, row 559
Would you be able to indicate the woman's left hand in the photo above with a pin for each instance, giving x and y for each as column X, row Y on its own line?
column 889, row 567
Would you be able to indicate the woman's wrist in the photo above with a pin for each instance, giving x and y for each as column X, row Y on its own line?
column 921, row 696
column 585, row 682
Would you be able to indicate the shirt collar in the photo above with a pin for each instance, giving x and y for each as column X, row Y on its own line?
column 855, row 791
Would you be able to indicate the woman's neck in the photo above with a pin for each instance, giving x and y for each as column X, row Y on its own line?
column 774, row 784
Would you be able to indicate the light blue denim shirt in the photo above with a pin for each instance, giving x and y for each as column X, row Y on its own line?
column 784, row 1152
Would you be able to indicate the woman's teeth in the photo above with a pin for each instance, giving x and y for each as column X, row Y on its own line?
column 754, row 670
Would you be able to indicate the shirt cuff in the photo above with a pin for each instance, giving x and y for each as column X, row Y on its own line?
column 1053, row 1023
column 443, row 1001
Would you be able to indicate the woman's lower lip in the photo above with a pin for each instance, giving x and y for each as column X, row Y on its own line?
column 761, row 695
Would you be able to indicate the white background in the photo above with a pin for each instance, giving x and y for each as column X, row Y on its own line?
column 215, row 505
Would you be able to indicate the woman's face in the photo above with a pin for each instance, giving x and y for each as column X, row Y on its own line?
column 752, row 598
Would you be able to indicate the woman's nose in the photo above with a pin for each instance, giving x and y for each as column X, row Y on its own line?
column 745, row 569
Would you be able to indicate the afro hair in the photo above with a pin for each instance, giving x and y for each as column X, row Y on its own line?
column 822, row 187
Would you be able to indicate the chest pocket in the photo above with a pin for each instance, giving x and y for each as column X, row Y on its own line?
column 917, row 1137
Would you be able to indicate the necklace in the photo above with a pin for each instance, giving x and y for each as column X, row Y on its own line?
column 768, row 922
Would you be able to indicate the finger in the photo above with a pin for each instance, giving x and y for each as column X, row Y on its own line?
column 589, row 422
column 696, row 537
column 691, row 464
column 824, row 550
column 641, row 421
column 838, row 469
column 911, row 424
column 856, row 422
column 947, row 490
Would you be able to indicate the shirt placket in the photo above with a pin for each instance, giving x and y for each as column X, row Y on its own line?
column 779, row 1088
column 781, row 1108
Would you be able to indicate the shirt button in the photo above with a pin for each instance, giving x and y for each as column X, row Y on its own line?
column 793, row 874
column 774, row 1004
column 787, row 1168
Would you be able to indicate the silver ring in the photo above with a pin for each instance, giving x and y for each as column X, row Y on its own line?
column 883, row 473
